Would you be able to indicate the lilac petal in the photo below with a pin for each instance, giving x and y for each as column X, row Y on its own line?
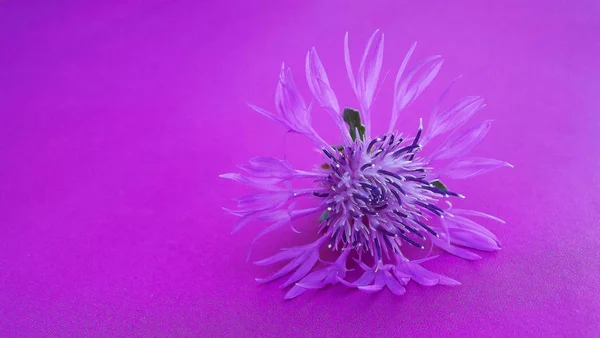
column 269, row 229
column 403, row 277
column 260, row 183
column 349, row 64
column 293, row 264
column 290, row 104
column 380, row 278
column 396, row 109
column 306, row 266
column 455, row 116
column 438, row 103
column 369, row 70
column 476, row 213
column 314, row 280
column 366, row 278
column 457, row 251
column 470, row 167
column 423, row 276
column 459, row 222
column 459, row 144
column 294, row 292
column 263, row 215
column 393, row 284
column 242, row 222
column 263, row 201
column 370, row 288
column 268, row 167
column 265, row 113
column 362, row 265
column 319, row 84
column 285, row 254
column 410, row 86
column 473, row 240
column 408, row 92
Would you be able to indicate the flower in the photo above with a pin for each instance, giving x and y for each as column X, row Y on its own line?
column 375, row 195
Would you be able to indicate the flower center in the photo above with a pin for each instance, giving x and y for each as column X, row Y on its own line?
column 378, row 195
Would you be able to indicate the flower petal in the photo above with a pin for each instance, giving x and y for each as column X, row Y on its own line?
column 303, row 269
column 314, row 280
column 366, row 278
column 284, row 254
column 262, row 201
column 294, row 292
column 268, row 167
column 293, row 264
column 369, row 70
column 476, row 213
column 318, row 83
column 409, row 86
column 455, row 116
column 423, row 276
column 260, row 182
column 349, row 64
column 393, row 284
column 470, row 167
column 459, row 144
column 459, row 222
column 457, row 251
column 474, row 240
column 370, row 288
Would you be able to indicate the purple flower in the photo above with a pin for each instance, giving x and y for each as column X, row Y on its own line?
column 376, row 195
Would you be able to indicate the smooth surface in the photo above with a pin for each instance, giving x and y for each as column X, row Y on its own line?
column 116, row 120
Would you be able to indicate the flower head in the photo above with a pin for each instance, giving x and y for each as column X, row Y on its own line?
column 375, row 195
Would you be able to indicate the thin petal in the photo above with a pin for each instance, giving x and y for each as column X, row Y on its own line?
column 294, row 292
column 476, row 213
column 269, row 167
column 319, row 83
column 366, row 278
column 459, row 222
column 303, row 269
column 269, row 229
column 256, row 182
column 265, row 113
column 370, row 288
column 314, row 280
column 455, row 116
column 470, row 167
column 349, row 64
column 278, row 257
column 396, row 109
column 409, row 86
column 293, row 264
column 474, row 240
column 461, row 143
column 392, row 284
column 423, row 276
column 457, row 251
column 262, row 201
column 370, row 68
column 410, row 92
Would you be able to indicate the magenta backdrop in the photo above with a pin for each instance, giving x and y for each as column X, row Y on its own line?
column 116, row 120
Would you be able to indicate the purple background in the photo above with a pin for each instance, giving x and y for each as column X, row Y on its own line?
column 117, row 118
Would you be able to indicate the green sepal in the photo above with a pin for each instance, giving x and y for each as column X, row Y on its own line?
column 324, row 216
column 352, row 118
column 439, row 185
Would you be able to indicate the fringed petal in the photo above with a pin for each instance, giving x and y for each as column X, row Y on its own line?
column 409, row 86
column 457, row 251
column 459, row 144
column 455, row 116
column 470, row 167
column 421, row 275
